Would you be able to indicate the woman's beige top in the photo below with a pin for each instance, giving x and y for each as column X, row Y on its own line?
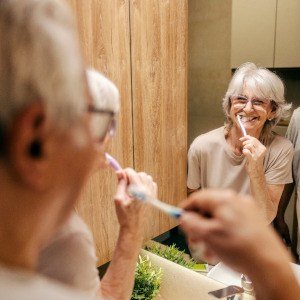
column 70, row 257
column 212, row 163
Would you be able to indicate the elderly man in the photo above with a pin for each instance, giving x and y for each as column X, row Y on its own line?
column 70, row 257
column 49, row 146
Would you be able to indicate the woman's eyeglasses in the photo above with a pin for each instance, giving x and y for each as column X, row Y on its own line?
column 240, row 101
column 103, row 122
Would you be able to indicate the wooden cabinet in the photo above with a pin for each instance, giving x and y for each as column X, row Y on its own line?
column 142, row 46
column 266, row 32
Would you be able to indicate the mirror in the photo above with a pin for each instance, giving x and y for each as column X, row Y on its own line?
column 210, row 71
column 210, row 31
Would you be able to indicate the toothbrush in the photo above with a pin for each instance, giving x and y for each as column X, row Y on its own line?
column 241, row 125
column 140, row 194
column 113, row 162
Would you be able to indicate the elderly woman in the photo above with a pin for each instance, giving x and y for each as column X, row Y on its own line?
column 256, row 161
column 70, row 257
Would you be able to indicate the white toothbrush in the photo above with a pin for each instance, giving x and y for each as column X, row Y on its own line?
column 139, row 193
column 241, row 125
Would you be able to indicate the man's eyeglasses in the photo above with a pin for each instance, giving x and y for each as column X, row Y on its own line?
column 240, row 101
column 103, row 122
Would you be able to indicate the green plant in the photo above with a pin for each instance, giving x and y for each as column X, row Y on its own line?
column 147, row 280
column 173, row 254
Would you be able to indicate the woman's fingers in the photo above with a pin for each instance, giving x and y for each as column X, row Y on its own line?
column 142, row 180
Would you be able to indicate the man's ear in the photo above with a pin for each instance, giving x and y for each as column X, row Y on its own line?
column 26, row 140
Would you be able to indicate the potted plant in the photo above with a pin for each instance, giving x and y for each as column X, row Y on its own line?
column 147, row 279
column 181, row 283
column 173, row 254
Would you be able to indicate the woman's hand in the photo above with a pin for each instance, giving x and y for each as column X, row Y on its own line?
column 131, row 212
column 254, row 151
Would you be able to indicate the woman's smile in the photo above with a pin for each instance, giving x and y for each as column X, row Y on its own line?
column 245, row 119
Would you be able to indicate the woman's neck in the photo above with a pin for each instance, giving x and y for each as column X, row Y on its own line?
column 233, row 140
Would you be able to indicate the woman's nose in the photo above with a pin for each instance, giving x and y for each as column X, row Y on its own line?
column 248, row 106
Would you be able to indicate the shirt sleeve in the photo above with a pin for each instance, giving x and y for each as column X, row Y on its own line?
column 293, row 129
column 279, row 165
column 293, row 135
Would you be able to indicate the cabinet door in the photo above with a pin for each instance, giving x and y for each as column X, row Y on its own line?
column 287, row 47
column 105, row 37
column 253, row 32
column 142, row 47
column 159, row 90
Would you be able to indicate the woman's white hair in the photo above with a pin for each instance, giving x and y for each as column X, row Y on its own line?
column 264, row 84
column 40, row 60
column 104, row 93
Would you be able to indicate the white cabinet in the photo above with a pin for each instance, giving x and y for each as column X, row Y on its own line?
column 253, row 32
column 266, row 32
column 287, row 45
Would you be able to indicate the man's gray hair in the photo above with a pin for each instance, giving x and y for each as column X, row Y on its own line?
column 40, row 60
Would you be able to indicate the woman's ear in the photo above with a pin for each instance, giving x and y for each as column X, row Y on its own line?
column 273, row 113
column 25, row 150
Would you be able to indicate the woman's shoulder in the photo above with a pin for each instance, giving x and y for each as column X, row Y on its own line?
column 281, row 142
column 74, row 226
column 209, row 137
column 208, row 142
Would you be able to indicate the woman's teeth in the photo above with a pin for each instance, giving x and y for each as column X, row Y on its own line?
column 247, row 119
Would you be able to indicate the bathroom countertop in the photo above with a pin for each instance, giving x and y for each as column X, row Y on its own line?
column 180, row 283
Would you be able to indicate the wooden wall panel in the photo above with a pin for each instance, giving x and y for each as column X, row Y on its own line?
column 159, row 91
column 142, row 47
column 104, row 32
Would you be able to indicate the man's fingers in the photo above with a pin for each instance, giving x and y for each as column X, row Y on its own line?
column 195, row 225
column 207, row 201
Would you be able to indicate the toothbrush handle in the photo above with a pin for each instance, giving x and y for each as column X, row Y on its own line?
column 113, row 162
column 242, row 126
column 141, row 195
